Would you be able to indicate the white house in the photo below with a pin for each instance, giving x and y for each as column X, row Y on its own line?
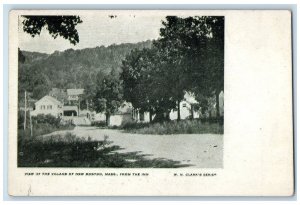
column 74, row 94
column 48, row 105
column 186, row 108
column 123, row 115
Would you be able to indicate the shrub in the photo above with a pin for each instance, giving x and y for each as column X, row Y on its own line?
column 47, row 119
column 133, row 125
column 41, row 124
column 99, row 123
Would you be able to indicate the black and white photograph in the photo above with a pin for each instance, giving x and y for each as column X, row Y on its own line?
column 150, row 102
column 120, row 91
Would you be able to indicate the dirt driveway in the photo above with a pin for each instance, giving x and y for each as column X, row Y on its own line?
column 196, row 150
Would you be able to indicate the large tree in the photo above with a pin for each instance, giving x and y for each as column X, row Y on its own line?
column 195, row 47
column 64, row 26
column 109, row 94
column 137, row 76
column 145, row 83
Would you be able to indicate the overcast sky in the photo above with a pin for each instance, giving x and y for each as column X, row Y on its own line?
column 96, row 30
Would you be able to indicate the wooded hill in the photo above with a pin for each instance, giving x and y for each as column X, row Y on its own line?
column 39, row 72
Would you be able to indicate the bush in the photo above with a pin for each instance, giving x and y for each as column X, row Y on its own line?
column 57, row 151
column 47, row 119
column 41, row 124
column 219, row 120
column 134, row 125
column 99, row 123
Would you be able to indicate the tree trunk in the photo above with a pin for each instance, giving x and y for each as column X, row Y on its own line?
column 107, row 119
column 192, row 112
column 159, row 117
column 218, row 104
column 150, row 115
column 25, row 112
column 178, row 110
column 167, row 118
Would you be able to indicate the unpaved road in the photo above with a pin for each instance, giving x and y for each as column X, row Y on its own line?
column 197, row 150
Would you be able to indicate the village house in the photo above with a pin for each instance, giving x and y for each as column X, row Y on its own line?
column 48, row 105
column 74, row 94
column 64, row 104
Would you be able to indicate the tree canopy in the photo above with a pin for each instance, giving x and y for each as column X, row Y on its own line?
column 64, row 26
column 109, row 94
column 188, row 57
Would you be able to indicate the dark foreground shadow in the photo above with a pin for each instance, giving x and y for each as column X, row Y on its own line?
column 81, row 153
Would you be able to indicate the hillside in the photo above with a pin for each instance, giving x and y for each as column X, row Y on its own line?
column 71, row 68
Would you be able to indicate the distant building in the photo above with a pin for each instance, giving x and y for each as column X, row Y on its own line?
column 122, row 116
column 65, row 104
column 74, row 94
column 186, row 108
column 59, row 94
column 48, row 105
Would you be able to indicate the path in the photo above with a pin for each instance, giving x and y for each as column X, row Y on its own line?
column 198, row 150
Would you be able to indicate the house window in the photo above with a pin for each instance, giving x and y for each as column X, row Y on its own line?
column 43, row 107
column 184, row 105
column 49, row 107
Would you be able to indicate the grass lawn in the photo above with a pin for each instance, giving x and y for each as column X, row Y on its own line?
column 175, row 127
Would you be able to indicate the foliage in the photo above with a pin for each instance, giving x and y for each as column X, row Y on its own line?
column 188, row 57
column 56, row 25
column 47, row 119
column 109, row 94
column 197, row 45
column 41, row 124
column 143, row 83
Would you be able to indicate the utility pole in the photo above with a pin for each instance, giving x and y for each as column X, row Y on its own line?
column 78, row 106
column 30, row 124
column 25, row 112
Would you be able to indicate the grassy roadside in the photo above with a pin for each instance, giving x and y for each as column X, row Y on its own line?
column 42, row 129
column 174, row 127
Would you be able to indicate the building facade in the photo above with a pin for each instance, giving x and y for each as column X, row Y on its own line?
column 48, row 105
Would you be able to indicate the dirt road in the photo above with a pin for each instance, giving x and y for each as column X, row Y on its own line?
column 197, row 150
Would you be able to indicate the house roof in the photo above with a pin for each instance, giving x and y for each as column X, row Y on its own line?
column 75, row 91
column 68, row 107
column 49, row 98
column 124, row 108
column 189, row 98
column 59, row 94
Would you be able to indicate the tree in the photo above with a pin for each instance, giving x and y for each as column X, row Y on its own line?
column 216, row 54
column 136, row 75
column 195, row 47
column 56, row 25
column 146, row 85
column 109, row 94
column 177, row 45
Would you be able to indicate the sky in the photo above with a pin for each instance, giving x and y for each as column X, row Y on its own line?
column 97, row 30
